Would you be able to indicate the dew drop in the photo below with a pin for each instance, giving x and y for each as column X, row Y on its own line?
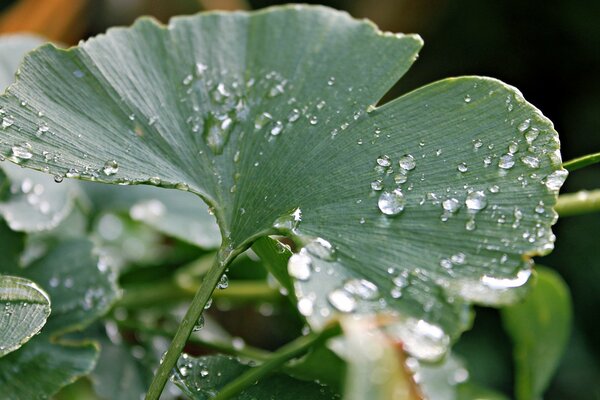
column 470, row 225
column 199, row 324
column 299, row 266
column 467, row 98
column 384, row 161
column 477, row 143
column 476, row 201
column 451, row 205
column 331, row 81
column 391, row 203
column 407, row 162
column 462, row 167
column 277, row 128
column 377, row 185
column 362, row 288
column 294, row 115
column 223, row 282
column 531, row 135
column 313, row 120
column 523, row 126
column 58, row 178
column 305, row 306
column 342, row 300
column 23, row 151
column 531, row 161
column 261, row 120
column 555, row 180
column 187, row 80
column 506, row 161
column 111, row 167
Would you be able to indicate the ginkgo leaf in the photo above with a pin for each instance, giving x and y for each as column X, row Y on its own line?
column 407, row 209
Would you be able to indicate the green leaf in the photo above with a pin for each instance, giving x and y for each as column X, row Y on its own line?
column 25, row 310
column 275, row 256
column 40, row 368
column 540, row 328
column 270, row 118
column 81, row 285
column 173, row 213
column 202, row 377
column 36, row 203
column 12, row 50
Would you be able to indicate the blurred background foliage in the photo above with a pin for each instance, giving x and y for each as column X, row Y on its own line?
column 549, row 50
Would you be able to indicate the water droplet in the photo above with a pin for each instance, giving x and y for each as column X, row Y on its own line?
column 477, row 143
column 470, row 225
column 299, row 266
column 43, row 128
column 294, row 115
column 391, row 203
column 407, row 162
column 111, row 167
column 513, row 147
column 531, row 135
column 199, row 324
column 220, row 93
column 216, row 132
column 78, row 74
column 462, row 167
column 531, row 161
column 342, row 300
column 58, row 178
column 494, row 189
column 188, row 79
column 458, row 258
column 506, row 161
column 384, row 161
column 476, row 201
column 23, row 151
column 182, row 186
column 313, row 120
column 331, row 81
column 362, row 288
column 305, row 306
column 400, row 178
column 223, row 282
column 555, row 180
column 446, row 263
column 200, row 69
column 261, row 120
column 540, row 208
column 523, row 126
column 277, row 128
column 276, row 90
column 451, row 205
column 467, row 98
column 487, row 161
column 377, row 184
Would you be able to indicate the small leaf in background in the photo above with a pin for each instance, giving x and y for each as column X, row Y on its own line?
column 12, row 49
column 24, row 308
column 539, row 328
column 201, row 378
column 410, row 209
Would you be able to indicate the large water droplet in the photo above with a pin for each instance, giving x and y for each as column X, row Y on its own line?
column 216, row 132
column 362, row 288
column 407, row 162
column 342, row 300
column 506, row 161
column 23, row 151
column 476, row 201
column 555, row 180
column 384, row 161
column 451, row 205
column 111, row 167
column 299, row 266
column 391, row 203
column 462, row 167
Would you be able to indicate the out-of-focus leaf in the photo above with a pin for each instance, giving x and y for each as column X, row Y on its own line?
column 41, row 367
column 35, row 203
column 12, row 50
column 81, row 286
column 24, row 309
column 171, row 212
column 201, row 378
column 540, row 328
column 320, row 364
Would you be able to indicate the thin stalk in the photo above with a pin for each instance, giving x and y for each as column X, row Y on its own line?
column 276, row 360
column 578, row 203
column 187, row 325
column 250, row 352
column 581, row 162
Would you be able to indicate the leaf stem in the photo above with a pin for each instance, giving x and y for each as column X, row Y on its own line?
column 187, row 324
column 250, row 352
column 578, row 203
column 276, row 360
column 581, row 162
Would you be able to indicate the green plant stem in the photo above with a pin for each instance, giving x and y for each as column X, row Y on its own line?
column 222, row 347
column 166, row 293
column 580, row 162
column 187, row 325
column 276, row 360
column 578, row 203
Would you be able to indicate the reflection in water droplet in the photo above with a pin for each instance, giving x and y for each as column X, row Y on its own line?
column 391, row 203
column 451, row 205
column 506, row 161
column 22, row 152
column 377, row 184
column 384, row 161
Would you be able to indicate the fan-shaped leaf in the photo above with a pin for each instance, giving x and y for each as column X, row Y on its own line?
column 409, row 208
